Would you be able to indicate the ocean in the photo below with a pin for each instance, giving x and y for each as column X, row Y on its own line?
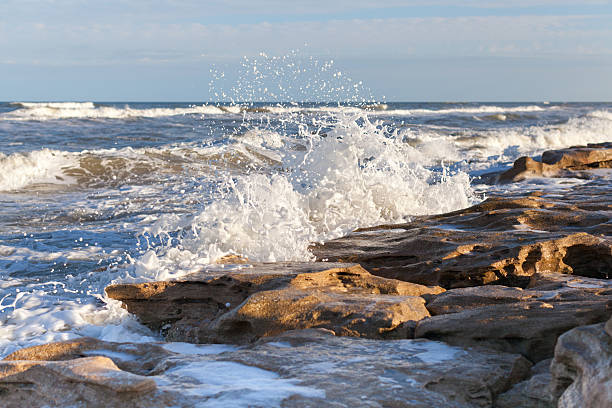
column 95, row 193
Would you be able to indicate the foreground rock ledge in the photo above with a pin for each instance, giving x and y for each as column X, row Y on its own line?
column 307, row 368
column 241, row 304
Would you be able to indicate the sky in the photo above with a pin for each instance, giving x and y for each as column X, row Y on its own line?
column 411, row 50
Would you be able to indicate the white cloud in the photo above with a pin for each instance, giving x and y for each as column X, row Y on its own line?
column 380, row 38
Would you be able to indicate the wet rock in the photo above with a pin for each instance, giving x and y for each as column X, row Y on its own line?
column 532, row 393
column 149, row 356
column 269, row 313
column 431, row 256
column 304, row 368
column 88, row 381
column 241, row 305
column 390, row 373
column 501, row 241
column 582, row 368
column 559, row 163
column 515, row 320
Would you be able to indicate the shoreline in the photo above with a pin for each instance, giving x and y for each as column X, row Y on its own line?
column 487, row 289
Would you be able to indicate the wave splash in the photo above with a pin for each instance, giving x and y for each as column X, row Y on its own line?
column 357, row 174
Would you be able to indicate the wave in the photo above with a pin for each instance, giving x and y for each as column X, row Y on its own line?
column 54, row 105
column 357, row 174
column 44, row 166
column 383, row 110
column 484, row 109
column 511, row 142
column 108, row 168
column 88, row 110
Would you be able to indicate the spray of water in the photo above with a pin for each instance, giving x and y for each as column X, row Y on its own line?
column 332, row 170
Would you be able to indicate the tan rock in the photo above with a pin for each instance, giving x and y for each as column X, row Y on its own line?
column 457, row 258
column 527, row 328
column 266, row 299
column 514, row 320
column 500, row 241
column 134, row 358
column 269, row 313
column 89, row 381
column 559, row 163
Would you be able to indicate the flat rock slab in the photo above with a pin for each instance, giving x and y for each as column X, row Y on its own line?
column 241, row 304
column 304, row 368
column 515, row 320
column 503, row 240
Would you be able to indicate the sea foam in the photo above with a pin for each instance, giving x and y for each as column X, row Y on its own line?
column 88, row 110
column 357, row 174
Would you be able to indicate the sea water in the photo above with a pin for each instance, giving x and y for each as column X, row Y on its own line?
column 96, row 193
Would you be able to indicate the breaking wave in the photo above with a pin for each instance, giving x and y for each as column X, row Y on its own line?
column 358, row 174
column 89, row 110
column 41, row 111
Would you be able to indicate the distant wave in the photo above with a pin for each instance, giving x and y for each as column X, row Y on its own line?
column 88, row 110
column 488, row 109
column 55, row 105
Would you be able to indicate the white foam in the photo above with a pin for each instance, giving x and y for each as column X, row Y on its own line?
column 198, row 349
column 55, row 105
column 435, row 352
column 225, row 383
column 40, row 166
column 491, row 109
column 356, row 175
column 32, row 316
column 510, row 143
column 429, row 351
column 87, row 110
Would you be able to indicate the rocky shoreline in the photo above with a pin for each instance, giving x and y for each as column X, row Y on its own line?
column 502, row 304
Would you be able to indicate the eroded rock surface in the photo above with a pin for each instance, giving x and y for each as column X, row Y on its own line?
column 558, row 163
column 240, row 305
column 526, row 321
column 500, row 241
column 297, row 369
column 582, row 368
column 87, row 381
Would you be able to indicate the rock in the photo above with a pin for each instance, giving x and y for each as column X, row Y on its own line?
column 582, row 368
column 88, row 381
column 269, row 313
column 501, row 241
column 514, row 320
column 241, row 305
column 304, row 368
column 591, row 155
column 148, row 356
column 232, row 260
column 528, row 328
column 361, row 372
column 451, row 259
column 559, row 163
column 531, row 393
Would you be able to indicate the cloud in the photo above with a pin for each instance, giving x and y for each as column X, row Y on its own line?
column 124, row 42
